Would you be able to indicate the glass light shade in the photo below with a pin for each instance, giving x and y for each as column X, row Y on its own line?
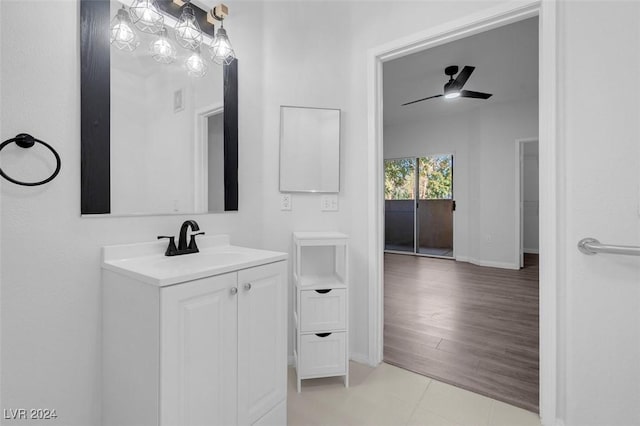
column 452, row 95
column 161, row 48
column 221, row 50
column 196, row 65
column 146, row 16
column 188, row 33
column 122, row 35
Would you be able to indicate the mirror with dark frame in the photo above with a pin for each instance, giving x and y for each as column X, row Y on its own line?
column 155, row 138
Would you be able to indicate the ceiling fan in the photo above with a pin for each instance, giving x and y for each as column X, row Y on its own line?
column 453, row 88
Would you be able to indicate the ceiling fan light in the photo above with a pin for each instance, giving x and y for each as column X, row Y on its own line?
column 452, row 95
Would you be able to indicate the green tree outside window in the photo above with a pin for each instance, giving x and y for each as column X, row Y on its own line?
column 435, row 181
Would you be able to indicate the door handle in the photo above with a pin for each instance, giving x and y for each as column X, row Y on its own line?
column 592, row 246
column 233, row 291
column 247, row 286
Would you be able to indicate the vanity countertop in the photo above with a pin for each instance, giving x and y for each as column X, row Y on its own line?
column 146, row 261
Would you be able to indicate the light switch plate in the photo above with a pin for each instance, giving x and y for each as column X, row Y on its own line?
column 329, row 203
column 285, row 201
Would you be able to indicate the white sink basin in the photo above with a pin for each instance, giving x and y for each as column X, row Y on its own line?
column 147, row 262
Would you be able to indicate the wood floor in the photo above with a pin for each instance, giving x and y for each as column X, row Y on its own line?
column 471, row 326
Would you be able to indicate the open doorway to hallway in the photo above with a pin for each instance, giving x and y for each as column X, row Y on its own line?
column 471, row 320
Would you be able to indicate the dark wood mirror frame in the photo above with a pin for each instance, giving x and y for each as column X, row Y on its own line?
column 95, row 107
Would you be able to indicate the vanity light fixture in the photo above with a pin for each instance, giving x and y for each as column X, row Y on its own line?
column 221, row 50
column 122, row 35
column 195, row 64
column 146, row 16
column 188, row 33
column 162, row 50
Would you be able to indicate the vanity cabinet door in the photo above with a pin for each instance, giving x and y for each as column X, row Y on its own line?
column 198, row 355
column 262, row 345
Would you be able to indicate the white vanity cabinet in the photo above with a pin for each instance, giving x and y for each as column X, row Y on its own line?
column 205, row 351
column 199, row 352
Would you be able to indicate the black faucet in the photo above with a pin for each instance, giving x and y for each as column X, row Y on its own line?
column 182, row 248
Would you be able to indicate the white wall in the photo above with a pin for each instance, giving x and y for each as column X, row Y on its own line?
column 599, row 134
column 530, row 198
column 483, row 145
column 51, row 256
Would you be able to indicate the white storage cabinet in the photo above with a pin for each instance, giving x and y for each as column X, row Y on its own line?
column 211, row 351
column 321, row 305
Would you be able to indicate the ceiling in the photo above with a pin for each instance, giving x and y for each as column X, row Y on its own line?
column 506, row 61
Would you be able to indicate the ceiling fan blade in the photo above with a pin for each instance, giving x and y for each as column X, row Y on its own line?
column 423, row 99
column 462, row 77
column 476, row 95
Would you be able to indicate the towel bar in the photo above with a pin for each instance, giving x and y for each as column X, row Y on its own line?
column 592, row 246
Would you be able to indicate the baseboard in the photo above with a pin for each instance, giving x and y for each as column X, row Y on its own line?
column 359, row 358
column 356, row 357
column 488, row 263
column 531, row 251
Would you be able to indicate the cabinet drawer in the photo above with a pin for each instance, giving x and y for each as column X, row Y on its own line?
column 323, row 310
column 323, row 354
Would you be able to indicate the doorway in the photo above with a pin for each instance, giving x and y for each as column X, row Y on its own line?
column 208, row 149
column 495, row 17
column 460, row 288
column 419, row 205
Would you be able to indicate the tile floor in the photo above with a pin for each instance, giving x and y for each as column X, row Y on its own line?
column 391, row 396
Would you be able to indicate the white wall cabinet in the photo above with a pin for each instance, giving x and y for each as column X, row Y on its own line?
column 211, row 351
column 321, row 311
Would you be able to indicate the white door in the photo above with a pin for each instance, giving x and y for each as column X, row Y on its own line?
column 198, row 355
column 262, row 345
column 600, row 140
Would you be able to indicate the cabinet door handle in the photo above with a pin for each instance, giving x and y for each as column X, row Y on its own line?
column 323, row 334
column 234, row 291
column 247, row 286
column 323, row 291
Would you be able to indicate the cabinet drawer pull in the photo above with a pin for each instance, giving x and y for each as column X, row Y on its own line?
column 247, row 286
column 323, row 291
column 323, row 334
column 234, row 291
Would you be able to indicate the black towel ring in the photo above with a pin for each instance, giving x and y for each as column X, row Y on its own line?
column 24, row 140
